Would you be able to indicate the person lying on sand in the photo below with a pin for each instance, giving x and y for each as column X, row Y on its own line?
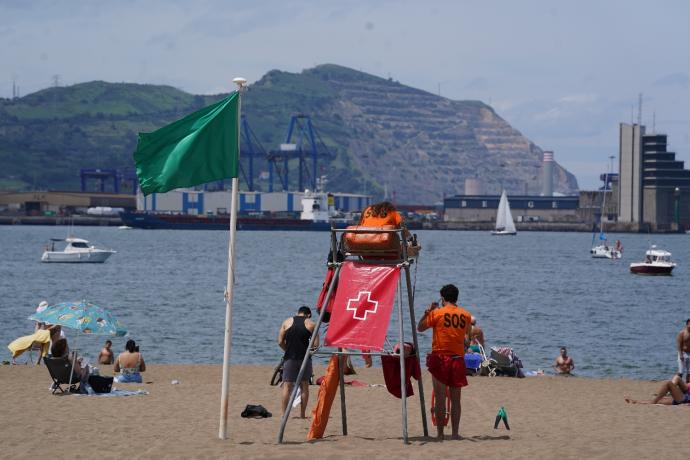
column 676, row 387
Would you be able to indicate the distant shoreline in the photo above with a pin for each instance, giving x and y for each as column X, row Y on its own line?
column 107, row 221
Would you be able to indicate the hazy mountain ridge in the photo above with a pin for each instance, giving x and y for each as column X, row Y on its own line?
column 380, row 133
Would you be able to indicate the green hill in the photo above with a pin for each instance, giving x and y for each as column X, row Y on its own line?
column 380, row 134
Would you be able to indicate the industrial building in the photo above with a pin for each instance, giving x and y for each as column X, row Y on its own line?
column 654, row 187
column 198, row 202
column 483, row 208
column 61, row 203
column 473, row 207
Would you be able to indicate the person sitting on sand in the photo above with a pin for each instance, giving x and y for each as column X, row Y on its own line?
column 476, row 338
column 60, row 349
column 56, row 333
column 106, row 355
column 293, row 338
column 129, row 364
column 676, row 387
column 683, row 343
column 446, row 363
column 564, row 364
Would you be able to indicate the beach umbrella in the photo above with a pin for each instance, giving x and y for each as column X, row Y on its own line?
column 83, row 316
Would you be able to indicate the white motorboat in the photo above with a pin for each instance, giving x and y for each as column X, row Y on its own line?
column 656, row 262
column 76, row 250
column 504, row 219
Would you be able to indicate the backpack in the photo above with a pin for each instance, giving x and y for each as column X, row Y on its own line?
column 255, row 411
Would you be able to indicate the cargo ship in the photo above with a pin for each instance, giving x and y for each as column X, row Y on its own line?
column 318, row 214
column 152, row 220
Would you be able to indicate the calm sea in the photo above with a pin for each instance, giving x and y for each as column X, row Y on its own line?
column 534, row 292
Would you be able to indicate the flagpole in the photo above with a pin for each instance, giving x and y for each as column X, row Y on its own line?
column 223, row 430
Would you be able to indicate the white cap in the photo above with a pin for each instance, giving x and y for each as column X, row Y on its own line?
column 41, row 306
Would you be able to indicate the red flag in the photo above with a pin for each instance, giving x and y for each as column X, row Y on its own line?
column 362, row 306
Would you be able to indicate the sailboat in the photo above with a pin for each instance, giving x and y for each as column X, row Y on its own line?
column 603, row 250
column 504, row 219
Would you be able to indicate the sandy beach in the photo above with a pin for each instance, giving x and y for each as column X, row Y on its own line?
column 549, row 417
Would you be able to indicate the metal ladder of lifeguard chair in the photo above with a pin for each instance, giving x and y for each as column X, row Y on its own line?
column 404, row 262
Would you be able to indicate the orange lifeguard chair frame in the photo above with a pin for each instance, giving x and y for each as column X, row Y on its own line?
column 398, row 258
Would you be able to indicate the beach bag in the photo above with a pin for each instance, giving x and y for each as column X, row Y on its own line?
column 101, row 384
column 379, row 242
column 255, row 411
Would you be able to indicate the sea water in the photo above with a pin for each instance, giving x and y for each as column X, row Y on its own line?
column 534, row 292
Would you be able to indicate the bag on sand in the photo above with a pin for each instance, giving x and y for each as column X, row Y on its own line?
column 255, row 411
column 101, row 384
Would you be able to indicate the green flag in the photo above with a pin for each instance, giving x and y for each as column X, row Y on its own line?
column 201, row 147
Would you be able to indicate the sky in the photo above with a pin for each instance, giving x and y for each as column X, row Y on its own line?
column 565, row 74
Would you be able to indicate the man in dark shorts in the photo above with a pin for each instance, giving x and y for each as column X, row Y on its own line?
column 446, row 362
column 293, row 338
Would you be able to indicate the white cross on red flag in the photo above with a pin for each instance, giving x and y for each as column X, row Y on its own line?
column 363, row 305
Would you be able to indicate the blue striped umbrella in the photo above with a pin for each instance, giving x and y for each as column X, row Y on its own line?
column 81, row 316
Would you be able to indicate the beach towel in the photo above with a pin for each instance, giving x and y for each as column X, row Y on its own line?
column 391, row 374
column 22, row 344
column 114, row 393
column 327, row 390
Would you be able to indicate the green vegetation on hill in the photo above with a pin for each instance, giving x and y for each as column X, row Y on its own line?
column 378, row 133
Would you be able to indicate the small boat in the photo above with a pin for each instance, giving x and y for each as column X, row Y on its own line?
column 76, row 250
column 504, row 219
column 124, row 227
column 657, row 262
column 603, row 250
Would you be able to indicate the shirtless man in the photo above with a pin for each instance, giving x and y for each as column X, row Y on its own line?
column 106, row 355
column 564, row 364
column 683, row 347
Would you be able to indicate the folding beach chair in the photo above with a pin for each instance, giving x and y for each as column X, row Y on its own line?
column 59, row 369
column 488, row 366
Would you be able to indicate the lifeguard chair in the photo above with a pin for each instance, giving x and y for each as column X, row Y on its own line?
column 357, row 252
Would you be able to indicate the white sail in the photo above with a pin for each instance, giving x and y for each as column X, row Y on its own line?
column 501, row 214
column 504, row 219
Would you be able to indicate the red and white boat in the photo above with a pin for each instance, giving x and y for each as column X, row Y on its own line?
column 657, row 262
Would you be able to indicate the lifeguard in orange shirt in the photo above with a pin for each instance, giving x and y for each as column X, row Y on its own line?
column 380, row 214
column 452, row 326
